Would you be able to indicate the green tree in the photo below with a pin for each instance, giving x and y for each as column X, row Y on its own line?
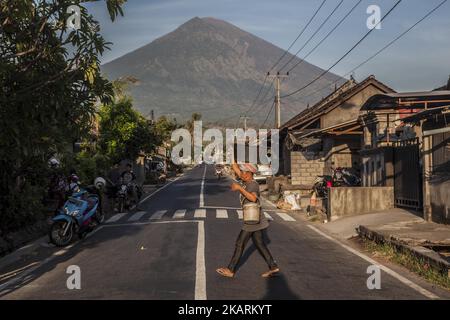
column 124, row 133
column 164, row 128
column 50, row 82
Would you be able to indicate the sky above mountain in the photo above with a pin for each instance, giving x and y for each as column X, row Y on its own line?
column 419, row 61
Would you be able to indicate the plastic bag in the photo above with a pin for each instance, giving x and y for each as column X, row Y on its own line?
column 292, row 200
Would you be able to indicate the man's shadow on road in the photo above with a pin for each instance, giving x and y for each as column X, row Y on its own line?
column 277, row 286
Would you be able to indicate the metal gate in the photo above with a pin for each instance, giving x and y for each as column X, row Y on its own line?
column 407, row 175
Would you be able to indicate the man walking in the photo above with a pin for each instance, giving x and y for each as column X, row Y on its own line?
column 249, row 193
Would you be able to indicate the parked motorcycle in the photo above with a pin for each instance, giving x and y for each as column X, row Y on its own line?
column 322, row 185
column 219, row 173
column 124, row 195
column 123, row 200
column 346, row 177
column 340, row 177
column 80, row 214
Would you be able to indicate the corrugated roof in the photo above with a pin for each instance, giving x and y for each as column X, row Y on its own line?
column 380, row 101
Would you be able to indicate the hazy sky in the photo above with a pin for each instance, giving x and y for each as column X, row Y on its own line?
column 419, row 61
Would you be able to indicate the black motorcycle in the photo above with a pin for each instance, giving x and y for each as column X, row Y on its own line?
column 346, row 177
column 124, row 196
column 341, row 177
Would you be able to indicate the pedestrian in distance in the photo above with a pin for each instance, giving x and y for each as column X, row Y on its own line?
column 249, row 193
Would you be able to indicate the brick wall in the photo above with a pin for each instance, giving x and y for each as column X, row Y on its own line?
column 306, row 166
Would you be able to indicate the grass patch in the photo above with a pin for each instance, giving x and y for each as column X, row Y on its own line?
column 408, row 260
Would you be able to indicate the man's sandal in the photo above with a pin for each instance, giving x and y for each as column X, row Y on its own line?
column 225, row 272
column 270, row 273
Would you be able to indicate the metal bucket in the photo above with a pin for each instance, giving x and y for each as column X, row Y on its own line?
column 251, row 213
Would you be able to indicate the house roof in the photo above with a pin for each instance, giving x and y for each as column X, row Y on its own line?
column 387, row 101
column 334, row 128
column 344, row 92
column 426, row 114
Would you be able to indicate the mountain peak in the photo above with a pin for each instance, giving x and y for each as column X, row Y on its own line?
column 206, row 65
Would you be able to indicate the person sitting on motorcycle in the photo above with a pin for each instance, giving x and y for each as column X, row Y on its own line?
column 57, row 185
column 74, row 184
column 129, row 178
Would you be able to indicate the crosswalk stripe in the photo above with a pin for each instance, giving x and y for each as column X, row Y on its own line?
column 268, row 216
column 221, row 214
column 179, row 214
column 158, row 215
column 240, row 214
column 200, row 213
column 136, row 216
column 285, row 216
column 116, row 217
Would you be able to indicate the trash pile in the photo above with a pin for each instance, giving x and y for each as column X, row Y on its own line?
column 289, row 201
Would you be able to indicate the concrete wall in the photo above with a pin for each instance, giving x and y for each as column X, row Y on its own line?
column 345, row 201
column 440, row 201
column 306, row 166
column 343, row 151
column 350, row 109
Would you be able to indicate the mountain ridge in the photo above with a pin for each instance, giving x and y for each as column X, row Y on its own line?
column 211, row 65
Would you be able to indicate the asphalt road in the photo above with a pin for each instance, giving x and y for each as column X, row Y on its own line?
column 170, row 247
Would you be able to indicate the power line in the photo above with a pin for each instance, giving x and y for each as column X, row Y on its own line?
column 257, row 96
column 281, row 58
column 385, row 47
column 268, row 114
column 262, row 104
column 326, row 37
column 313, row 35
column 346, row 54
column 299, row 35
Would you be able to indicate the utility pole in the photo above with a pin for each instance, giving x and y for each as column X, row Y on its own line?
column 245, row 122
column 277, row 78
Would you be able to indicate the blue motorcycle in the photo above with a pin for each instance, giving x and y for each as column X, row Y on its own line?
column 80, row 214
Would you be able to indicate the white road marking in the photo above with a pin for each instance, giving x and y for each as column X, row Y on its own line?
column 179, row 214
column 268, row 216
column 158, row 215
column 228, row 208
column 116, row 217
column 392, row 273
column 144, row 223
column 200, row 213
column 200, row 270
column 202, row 187
column 240, row 214
column 285, row 216
column 137, row 216
column 221, row 214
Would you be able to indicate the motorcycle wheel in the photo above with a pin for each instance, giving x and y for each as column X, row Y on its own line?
column 99, row 216
column 56, row 234
column 121, row 205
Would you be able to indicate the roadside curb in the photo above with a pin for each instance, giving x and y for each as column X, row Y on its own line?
column 429, row 256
